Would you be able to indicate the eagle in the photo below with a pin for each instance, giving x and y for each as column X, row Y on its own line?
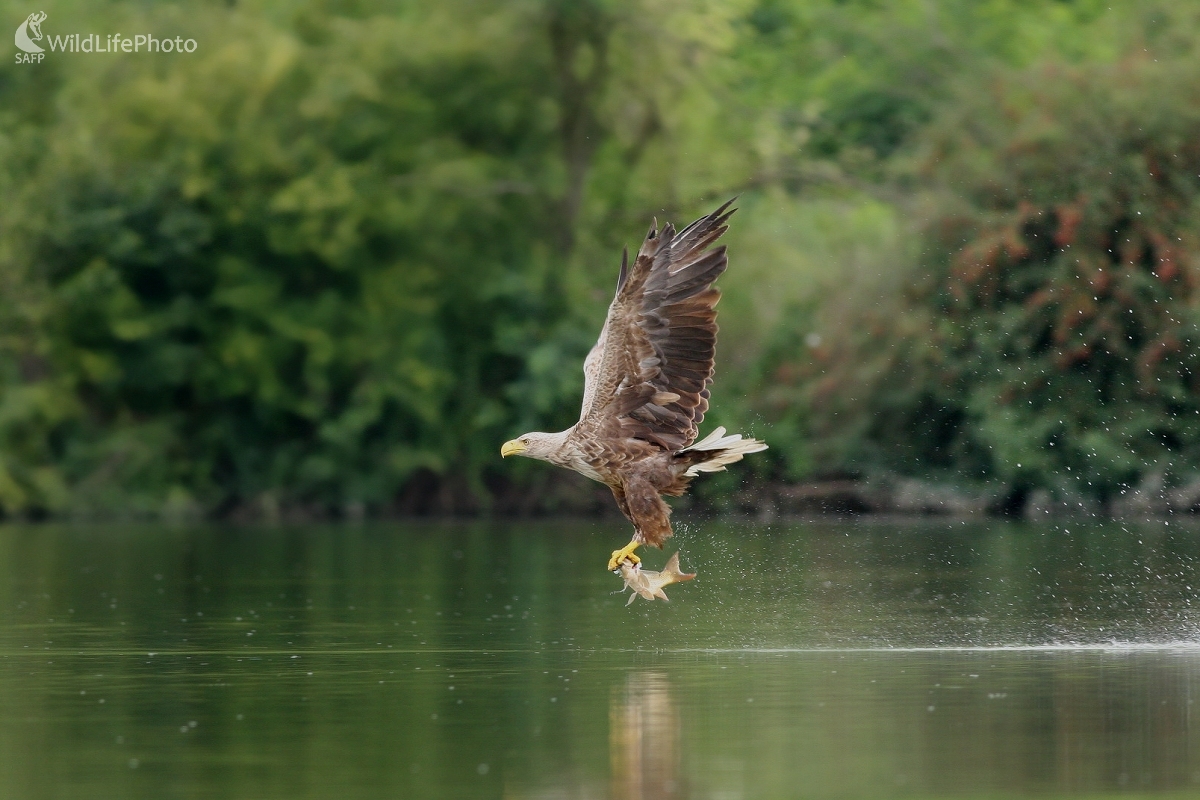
column 646, row 383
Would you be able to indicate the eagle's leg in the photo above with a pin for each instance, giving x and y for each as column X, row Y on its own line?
column 651, row 517
column 625, row 553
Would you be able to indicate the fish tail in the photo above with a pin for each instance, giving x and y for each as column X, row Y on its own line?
column 677, row 574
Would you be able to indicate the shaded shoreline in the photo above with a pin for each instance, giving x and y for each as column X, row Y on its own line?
column 571, row 497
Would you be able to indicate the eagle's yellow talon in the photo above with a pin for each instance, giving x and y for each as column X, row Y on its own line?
column 625, row 553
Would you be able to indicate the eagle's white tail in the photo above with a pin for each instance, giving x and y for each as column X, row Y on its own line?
column 725, row 450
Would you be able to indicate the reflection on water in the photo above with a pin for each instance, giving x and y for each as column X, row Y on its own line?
column 832, row 660
column 644, row 737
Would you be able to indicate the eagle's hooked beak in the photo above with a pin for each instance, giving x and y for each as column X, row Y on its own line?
column 512, row 448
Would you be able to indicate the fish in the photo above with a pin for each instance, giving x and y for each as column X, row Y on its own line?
column 648, row 583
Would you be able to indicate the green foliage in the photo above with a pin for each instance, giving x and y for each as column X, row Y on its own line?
column 291, row 271
column 1071, row 313
column 327, row 262
column 332, row 259
column 1056, row 340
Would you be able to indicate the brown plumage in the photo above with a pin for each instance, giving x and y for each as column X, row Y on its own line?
column 646, row 383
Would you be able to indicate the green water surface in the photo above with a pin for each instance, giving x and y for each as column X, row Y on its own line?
column 401, row 660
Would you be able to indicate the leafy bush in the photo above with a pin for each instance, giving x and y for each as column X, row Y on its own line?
column 1054, row 341
column 283, row 272
column 330, row 260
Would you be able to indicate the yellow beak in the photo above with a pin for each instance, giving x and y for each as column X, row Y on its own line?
column 511, row 448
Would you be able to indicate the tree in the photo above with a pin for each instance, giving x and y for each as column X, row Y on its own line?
column 1054, row 341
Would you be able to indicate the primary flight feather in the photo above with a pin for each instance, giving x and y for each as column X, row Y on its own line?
column 646, row 383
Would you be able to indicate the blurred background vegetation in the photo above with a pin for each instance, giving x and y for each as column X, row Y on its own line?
column 327, row 263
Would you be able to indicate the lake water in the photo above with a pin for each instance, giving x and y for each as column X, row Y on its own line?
column 828, row 660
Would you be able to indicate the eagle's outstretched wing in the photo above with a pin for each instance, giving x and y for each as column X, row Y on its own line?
column 647, row 376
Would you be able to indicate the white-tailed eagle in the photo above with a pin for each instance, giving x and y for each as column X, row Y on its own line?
column 646, row 383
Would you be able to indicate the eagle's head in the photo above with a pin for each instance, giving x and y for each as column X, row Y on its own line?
column 542, row 446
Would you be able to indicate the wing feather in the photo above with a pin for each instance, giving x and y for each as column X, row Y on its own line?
column 647, row 377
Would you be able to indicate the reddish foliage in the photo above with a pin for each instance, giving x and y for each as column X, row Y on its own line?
column 1069, row 216
column 1154, row 353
